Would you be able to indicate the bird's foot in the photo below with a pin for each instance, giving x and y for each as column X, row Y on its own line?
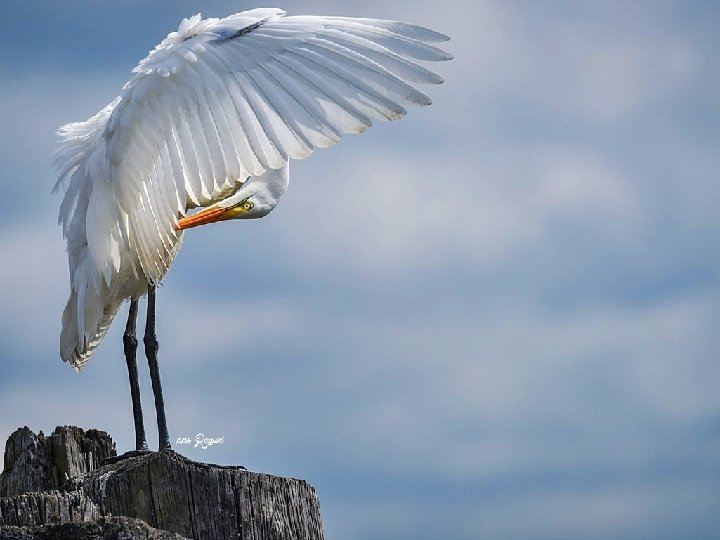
column 165, row 445
column 126, row 455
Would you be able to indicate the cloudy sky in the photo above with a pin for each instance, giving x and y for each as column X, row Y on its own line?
column 497, row 318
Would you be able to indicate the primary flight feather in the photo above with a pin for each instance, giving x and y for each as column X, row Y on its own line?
column 210, row 119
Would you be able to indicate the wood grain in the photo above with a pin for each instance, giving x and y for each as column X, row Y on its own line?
column 162, row 489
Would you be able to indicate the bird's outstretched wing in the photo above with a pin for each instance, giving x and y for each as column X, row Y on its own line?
column 223, row 99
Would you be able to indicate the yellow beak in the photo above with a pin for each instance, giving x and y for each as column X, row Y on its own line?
column 203, row 217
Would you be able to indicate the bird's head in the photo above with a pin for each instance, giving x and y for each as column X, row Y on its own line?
column 255, row 199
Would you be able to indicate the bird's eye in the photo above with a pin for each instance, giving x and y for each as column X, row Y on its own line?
column 246, row 205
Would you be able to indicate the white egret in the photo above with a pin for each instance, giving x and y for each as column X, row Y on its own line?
column 211, row 118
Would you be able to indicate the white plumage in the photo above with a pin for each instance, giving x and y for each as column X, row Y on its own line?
column 211, row 117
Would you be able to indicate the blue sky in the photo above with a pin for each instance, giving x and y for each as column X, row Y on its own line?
column 496, row 318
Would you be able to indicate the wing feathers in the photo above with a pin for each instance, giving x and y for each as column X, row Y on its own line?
column 190, row 161
column 223, row 113
column 392, row 62
column 403, row 45
column 284, row 112
column 216, row 102
column 221, row 100
column 417, row 33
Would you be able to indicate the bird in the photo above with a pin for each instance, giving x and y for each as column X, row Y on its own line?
column 203, row 132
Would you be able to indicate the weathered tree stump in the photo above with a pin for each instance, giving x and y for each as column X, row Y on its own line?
column 159, row 490
column 109, row 528
column 39, row 463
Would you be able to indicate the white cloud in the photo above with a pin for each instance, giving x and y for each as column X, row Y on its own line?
column 208, row 327
column 624, row 511
column 33, row 277
column 394, row 214
column 599, row 61
column 422, row 304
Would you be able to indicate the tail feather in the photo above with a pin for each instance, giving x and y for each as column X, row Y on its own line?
column 85, row 321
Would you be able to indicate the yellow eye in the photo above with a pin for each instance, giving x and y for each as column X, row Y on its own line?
column 246, row 205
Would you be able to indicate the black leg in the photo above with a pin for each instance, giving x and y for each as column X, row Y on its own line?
column 130, row 344
column 151, row 350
